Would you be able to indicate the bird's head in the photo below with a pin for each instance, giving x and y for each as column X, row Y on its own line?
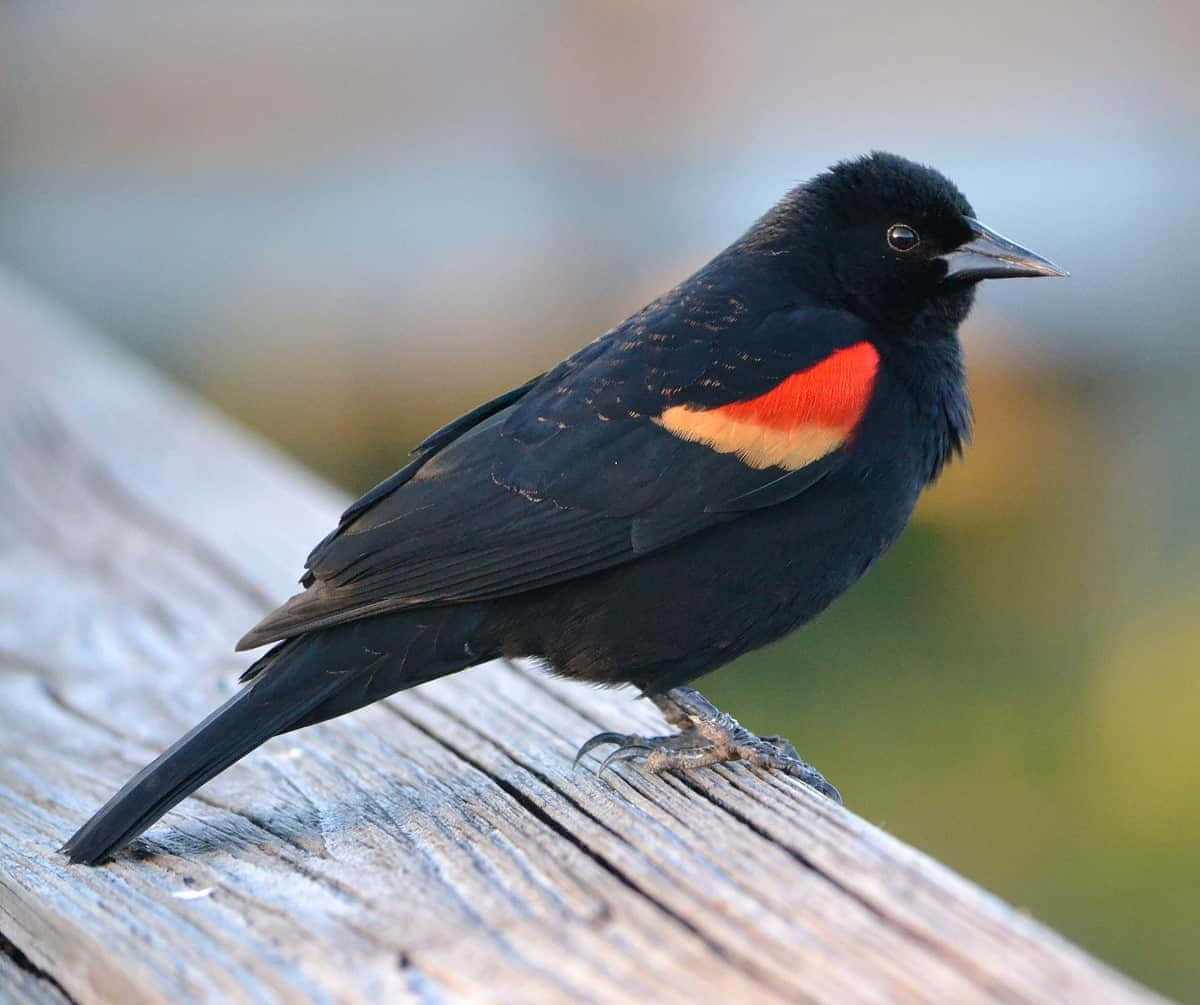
column 890, row 239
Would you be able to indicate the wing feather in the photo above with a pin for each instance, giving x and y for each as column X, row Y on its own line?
column 563, row 477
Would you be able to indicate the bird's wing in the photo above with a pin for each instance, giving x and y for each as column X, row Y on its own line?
column 431, row 445
column 647, row 436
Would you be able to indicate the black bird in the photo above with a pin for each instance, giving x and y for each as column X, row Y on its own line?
column 697, row 482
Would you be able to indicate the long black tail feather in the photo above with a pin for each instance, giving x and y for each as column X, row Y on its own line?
column 247, row 720
column 300, row 682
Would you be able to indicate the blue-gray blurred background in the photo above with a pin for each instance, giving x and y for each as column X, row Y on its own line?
column 344, row 225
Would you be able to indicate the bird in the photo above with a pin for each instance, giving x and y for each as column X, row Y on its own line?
column 697, row 482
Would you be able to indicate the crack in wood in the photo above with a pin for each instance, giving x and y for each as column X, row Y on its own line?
column 943, row 947
column 12, row 951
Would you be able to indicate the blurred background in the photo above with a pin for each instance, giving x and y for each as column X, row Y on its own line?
column 347, row 225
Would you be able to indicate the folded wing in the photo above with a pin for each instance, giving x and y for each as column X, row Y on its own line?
column 637, row 442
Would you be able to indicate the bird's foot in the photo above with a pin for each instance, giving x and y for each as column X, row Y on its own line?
column 706, row 736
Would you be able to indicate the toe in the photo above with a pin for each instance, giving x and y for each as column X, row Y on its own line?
column 783, row 745
column 599, row 740
column 810, row 776
column 627, row 752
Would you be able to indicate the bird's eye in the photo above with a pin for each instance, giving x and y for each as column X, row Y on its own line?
column 901, row 237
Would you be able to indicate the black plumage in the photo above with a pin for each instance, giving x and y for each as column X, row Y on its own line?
column 648, row 509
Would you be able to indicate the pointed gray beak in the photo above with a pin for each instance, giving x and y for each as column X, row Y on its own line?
column 989, row 256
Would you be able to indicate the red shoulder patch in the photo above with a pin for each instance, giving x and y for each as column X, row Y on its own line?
column 831, row 393
column 800, row 420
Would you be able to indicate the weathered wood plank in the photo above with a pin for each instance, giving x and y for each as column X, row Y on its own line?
column 437, row 846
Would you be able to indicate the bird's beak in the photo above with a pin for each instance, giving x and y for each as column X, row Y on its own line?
column 987, row 255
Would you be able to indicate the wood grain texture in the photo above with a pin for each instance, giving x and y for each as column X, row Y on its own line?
column 434, row 847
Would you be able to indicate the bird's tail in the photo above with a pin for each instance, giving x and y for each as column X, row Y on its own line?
column 304, row 680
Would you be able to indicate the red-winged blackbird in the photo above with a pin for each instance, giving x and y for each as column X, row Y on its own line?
column 699, row 481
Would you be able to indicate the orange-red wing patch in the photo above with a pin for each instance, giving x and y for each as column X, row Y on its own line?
column 800, row 420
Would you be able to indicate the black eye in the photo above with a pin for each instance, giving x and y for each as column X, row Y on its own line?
column 901, row 237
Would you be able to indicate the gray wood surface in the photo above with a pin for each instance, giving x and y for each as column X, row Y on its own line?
column 434, row 847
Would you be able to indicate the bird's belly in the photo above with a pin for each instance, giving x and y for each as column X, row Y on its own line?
column 677, row 614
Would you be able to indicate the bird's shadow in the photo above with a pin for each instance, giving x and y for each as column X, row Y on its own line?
column 385, row 817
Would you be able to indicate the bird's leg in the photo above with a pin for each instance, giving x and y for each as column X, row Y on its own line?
column 706, row 736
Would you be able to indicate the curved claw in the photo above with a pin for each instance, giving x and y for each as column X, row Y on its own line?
column 630, row 751
column 599, row 740
column 811, row 777
column 826, row 789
